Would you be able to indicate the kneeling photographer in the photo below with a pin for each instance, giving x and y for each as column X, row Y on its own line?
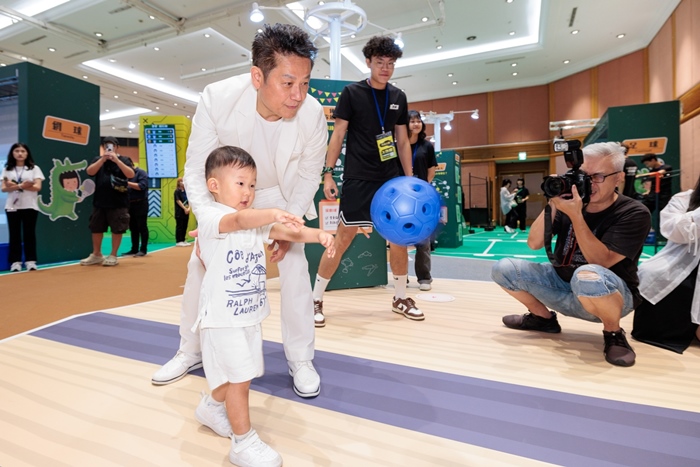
column 592, row 273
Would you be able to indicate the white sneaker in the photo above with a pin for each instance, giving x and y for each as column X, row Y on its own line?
column 425, row 286
column 110, row 260
column 92, row 259
column 307, row 383
column 30, row 265
column 16, row 267
column 213, row 415
column 509, row 229
column 253, row 452
column 176, row 369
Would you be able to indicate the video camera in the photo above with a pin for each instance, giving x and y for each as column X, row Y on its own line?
column 557, row 185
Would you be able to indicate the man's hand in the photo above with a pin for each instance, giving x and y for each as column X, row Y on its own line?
column 279, row 250
column 330, row 189
column 327, row 240
column 571, row 206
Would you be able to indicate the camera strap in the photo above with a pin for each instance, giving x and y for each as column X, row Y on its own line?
column 548, row 236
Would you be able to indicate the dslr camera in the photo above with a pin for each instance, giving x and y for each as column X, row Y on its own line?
column 558, row 185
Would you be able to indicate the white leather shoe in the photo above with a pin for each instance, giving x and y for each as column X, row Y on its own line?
column 213, row 415
column 176, row 369
column 307, row 383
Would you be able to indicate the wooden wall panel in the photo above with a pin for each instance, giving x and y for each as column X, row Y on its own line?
column 684, row 47
column 621, row 82
column 572, row 97
column 661, row 65
column 472, row 132
column 521, row 115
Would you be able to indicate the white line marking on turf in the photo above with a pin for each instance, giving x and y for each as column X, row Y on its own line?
column 486, row 252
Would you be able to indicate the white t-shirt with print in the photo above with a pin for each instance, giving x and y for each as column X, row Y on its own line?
column 25, row 199
column 233, row 292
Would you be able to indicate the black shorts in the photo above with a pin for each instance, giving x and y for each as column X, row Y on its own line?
column 355, row 201
column 116, row 219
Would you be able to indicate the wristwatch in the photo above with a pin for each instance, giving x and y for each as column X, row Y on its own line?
column 327, row 170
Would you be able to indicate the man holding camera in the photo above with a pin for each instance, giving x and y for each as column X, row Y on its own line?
column 110, row 203
column 592, row 274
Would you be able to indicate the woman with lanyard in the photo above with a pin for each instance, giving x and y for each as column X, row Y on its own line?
column 22, row 179
column 424, row 166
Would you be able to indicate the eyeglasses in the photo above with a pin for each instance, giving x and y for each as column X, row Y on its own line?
column 600, row 178
column 387, row 65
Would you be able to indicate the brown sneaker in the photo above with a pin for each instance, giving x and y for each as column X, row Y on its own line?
column 407, row 307
column 319, row 319
column 617, row 350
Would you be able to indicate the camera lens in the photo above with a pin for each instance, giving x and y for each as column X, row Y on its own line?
column 554, row 186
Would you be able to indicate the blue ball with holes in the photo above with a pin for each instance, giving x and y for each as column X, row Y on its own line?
column 406, row 210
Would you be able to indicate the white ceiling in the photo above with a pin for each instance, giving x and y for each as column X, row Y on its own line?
column 541, row 42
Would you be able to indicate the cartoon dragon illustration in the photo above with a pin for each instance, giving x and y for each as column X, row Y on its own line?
column 65, row 190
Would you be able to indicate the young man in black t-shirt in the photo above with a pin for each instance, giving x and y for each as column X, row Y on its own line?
column 652, row 163
column 593, row 274
column 374, row 115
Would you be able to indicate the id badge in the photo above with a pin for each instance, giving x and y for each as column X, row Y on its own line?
column 386, row 147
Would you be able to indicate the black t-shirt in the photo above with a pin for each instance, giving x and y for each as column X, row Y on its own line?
column 520, row 195
column 622, row 228
column 665, row 190
column 105, row 196
column 180, row 195
column 357, row 105
column 630, row 173
column 423, row 154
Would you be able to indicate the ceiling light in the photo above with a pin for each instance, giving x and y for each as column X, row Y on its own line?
column 207, row 35
column 98, row 34
column 51, row 49
column 85, row 77
column 438, row 47
column 450, row 75
column 106, row 110
column 454, row 83
column 512, row 33
column 162, row 78
column 398, row 41
column 424, row 19
column 203, row 69
column 131, row 125
column 327, row 77
column 156, row 49
column 321, row 2
column 23, row 57
column 157, row 108
column 136, row 92
column 448, row 127
column 256, row 15
column 175, row 104
column 3, row 64
column 475, row 115
column 566, row 62
column 509, row 1
column 515, row 73
column 114, row 128
column 111, row 60
column 259, row 30
column 620, row 36
column 352, row 36
column 151, row 16
column 575, row 31
column 513, row 64
column 116, row 97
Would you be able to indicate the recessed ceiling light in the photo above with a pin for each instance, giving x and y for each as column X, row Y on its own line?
column 51, row 49
column 259, row 30
column 321, row 2
column 620, row 36
column 471, row 38
column 175, row 104
column 450, row 75
column 3, row 64
column 85, row 77
column 111, row 60
column 136, row 92
column 151, row 16
column 157, row 108
column 513, row 64
column 114, row 128
column 515, row 73
column 116, row 97
column 156, row 49
column 566, row 62
column 327, row 77
column 207, row 35
column 394, row 83
column 454, row 83
column 352, row 36
column 106, row 110
column 161, row 78
column 23, row 57
column 512, row 33
column 98, row 34
column 188, row 116
column 575, row 31
column 424, row 19
column 203, row 69
column 438, row 47
column 509, row 1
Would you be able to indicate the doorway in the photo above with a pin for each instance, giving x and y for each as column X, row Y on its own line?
column 532, row 173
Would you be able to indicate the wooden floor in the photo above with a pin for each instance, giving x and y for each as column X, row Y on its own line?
column 62, row 405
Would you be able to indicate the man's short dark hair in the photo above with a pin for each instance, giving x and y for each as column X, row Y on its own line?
column 649, row 157
column 382, row 46
column 281, row 39
column 110, row 139
column 227, row 156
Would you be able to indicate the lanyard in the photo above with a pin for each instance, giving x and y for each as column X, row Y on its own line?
column 19, row 175
column 415, row 149
column 386, row 104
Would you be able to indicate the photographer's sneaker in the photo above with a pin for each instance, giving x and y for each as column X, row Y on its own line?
column 319, row 319
column 253, row 452
column 213, row 415
column 176, row 369
column 407, row 307
column 92, row 259
column 532, row 322
column 617, row 350
column 425, row 286
column 307, row 382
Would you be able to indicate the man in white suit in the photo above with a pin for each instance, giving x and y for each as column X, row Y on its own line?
column 264, row 112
